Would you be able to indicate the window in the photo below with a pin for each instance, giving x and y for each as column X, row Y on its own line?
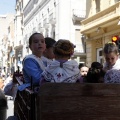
column 97, row 5
column 99, row 55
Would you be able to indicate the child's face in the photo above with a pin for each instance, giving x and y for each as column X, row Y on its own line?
column 84, row 71
column 49, row 53
column 38, row 45
column 111, row 58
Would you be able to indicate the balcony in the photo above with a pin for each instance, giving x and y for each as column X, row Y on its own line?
column 103, row 19
column 78, row 15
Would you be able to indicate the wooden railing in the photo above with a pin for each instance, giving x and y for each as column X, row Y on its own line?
column 69, row 101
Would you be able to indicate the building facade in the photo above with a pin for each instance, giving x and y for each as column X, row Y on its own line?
column 19, row 26
column 6, row 40
column 99, row 27
column 58, row 19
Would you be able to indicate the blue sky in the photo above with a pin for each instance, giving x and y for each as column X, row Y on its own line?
column 7, row 6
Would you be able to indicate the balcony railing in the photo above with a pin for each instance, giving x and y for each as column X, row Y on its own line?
column 78, row 15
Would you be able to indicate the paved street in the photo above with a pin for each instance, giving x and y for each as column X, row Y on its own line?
column 10, row 110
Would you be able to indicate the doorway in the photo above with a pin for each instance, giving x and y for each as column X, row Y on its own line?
column 100, row 55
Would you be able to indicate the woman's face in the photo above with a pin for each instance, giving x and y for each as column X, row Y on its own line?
column 38, row 45
column 111, row 58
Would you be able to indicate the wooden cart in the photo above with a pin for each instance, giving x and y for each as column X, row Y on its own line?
column 69, row 101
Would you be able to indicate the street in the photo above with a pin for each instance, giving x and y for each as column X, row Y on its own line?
column 10, row 110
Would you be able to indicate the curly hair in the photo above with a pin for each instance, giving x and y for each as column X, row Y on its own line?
column 63, row 48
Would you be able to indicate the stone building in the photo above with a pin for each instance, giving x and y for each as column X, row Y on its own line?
column 6, row 38
column 19, row 26
column 101, row 24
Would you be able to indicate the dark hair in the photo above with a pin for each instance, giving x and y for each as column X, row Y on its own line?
column 110, row 47
column 94, row 75
column 81, row 65
column 96, row 65
column 31, row 37
column 49, row 42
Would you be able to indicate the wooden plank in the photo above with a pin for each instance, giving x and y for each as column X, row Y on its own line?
column 66, row 101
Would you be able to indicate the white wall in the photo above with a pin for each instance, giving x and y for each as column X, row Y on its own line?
column 64, row 28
